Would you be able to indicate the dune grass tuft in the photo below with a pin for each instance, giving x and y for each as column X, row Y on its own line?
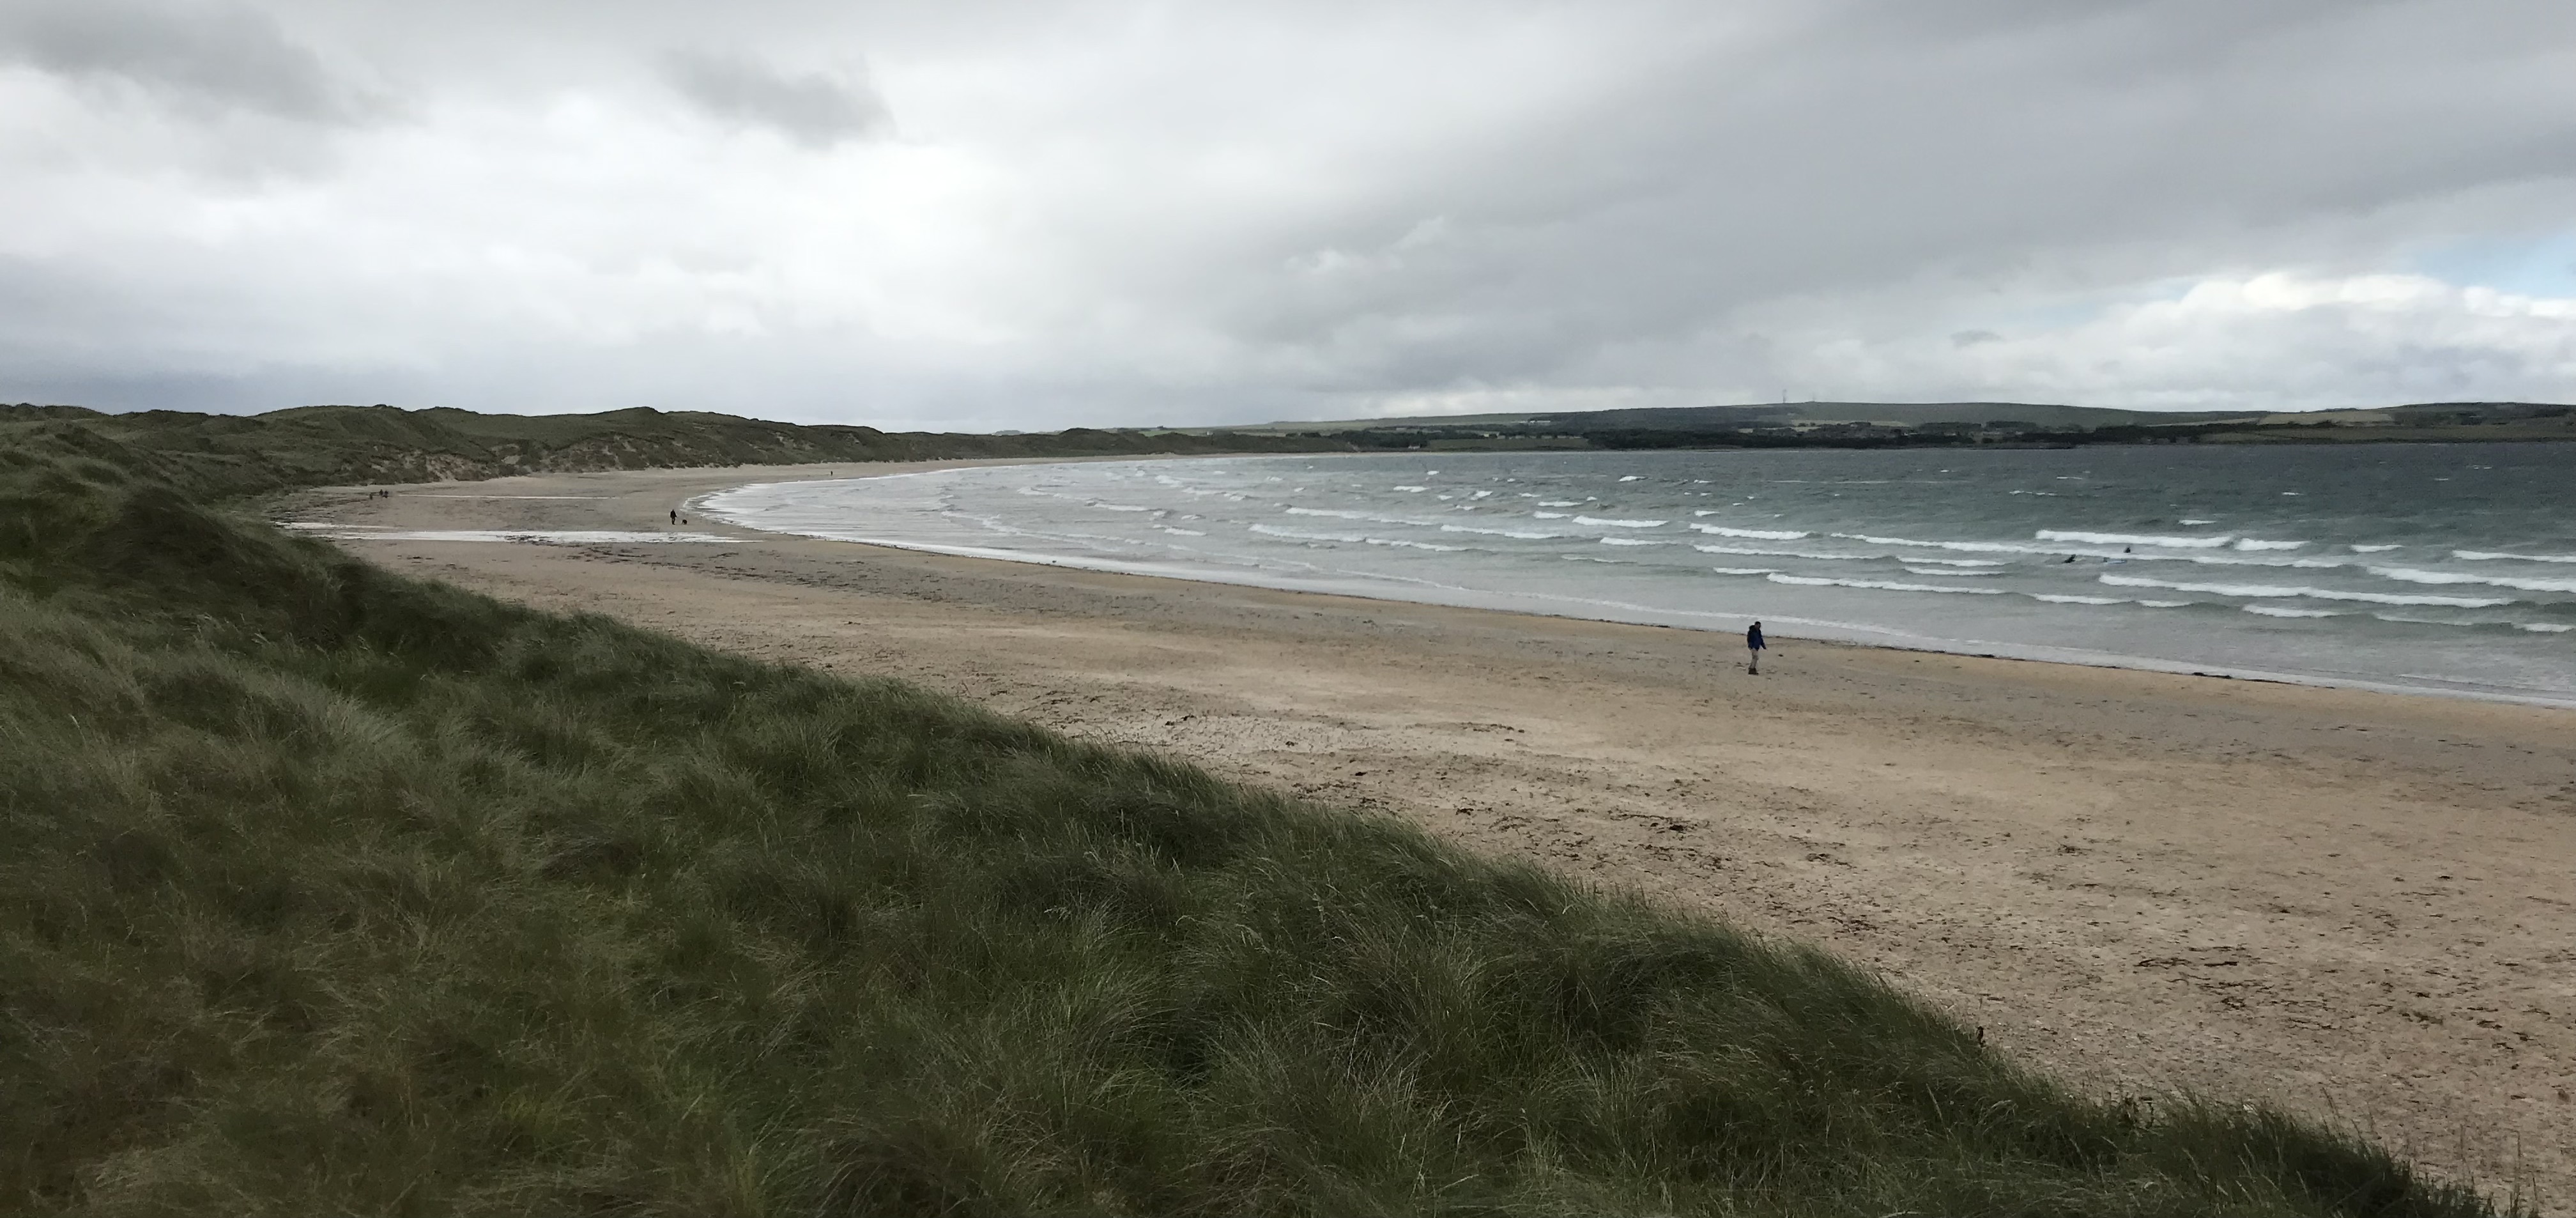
column 328, row 891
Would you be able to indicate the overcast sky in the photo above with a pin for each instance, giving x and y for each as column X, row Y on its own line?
column 988, row 214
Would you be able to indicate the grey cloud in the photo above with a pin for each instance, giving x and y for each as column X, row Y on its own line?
column 814, row 109
column 204, row 56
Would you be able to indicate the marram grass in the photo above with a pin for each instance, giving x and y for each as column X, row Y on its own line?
column 325, row 891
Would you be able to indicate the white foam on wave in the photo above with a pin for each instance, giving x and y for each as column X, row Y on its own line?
column 1120, row 507
column 2414, row 576
column 1719, row 530
column 1628, row 477
column 2256, row 543
column 2200, row 522
column 1332, row 512
column 1604, row 522
column 1560, row 503
column 1971, row 547
column 2494, row 555
column 1359, row 539
column 2277, row 591
column 1883, row 585
column 2133, row 539
column 1183, row 532
column 1410, row 490
column 2060, row 598
column 1767, row 552
column 1959, row 562
column 1632, row 541
column 2282, row 611
column 1549, row 515
column 2544, row 627
column 2378, row 549
column 1523, row 534
column 1954, row 574
column 1744, row 570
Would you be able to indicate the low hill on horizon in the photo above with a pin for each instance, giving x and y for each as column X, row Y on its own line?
column 2035, row 416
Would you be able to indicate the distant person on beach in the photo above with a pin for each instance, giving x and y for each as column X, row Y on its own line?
column 675, row 515
column 1753, row 646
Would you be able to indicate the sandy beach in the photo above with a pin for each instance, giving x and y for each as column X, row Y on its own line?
column 2360, row 906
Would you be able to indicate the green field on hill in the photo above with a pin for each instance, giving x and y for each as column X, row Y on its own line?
column 324, row 890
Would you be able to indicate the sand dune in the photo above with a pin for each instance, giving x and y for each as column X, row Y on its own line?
column 2360, row 905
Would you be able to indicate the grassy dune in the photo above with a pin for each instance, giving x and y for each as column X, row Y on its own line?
column 324, row 890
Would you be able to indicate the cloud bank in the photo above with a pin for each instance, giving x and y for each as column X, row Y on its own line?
column 1001, row 214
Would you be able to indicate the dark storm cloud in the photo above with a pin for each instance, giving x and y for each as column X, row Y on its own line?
column 207, row 56
column 812, row 109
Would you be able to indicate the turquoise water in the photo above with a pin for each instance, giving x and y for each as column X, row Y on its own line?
column 2445, row 568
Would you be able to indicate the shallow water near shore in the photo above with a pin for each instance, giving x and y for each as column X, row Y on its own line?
column 2431, row 568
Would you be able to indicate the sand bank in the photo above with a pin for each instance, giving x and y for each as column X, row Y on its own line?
column 2360, row 905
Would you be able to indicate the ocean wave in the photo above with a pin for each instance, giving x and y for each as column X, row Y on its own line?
column 2134, row 539
column 2199, row 521
column 1120, row 507
column 1355, row 539
column 1183, row 532
column 1410, row 490
column 1628, row 477
column 1958, row 562
column 2378, row 549
column 1523, row 534
column 1971, row 547
column 1818, row 581
column 1951, row 573
column 1332, row 512
column 1765, row 552
column 1631, row 541
column 2279, row 611
column 2413, row 576
column 1719, row 530
column 1561, row 503
column 2061, row 598
column 1549, row 515
column 1600, row 522
column 2254, row 543
column 1744, row 570
column 2492, row 555
column 2544, row 627
column 2273, row 591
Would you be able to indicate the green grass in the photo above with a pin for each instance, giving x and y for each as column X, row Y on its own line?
column 328, row 891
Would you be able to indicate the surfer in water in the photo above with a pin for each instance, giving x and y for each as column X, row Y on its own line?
column 1753, row 646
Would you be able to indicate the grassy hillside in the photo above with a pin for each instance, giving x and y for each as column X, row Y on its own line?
column 344, row 445
column 327, row 891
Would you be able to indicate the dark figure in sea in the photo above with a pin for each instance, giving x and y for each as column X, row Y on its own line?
column 1753, row 646
column 675, row 515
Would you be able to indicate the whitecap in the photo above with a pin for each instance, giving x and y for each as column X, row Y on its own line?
column 1410, row 490
column 1744, row 570
column 1631, row 541
column 2200, row 522
column 1549, row 515
column 1951, row 573
column 1561, row 503
column 2378, row 549
column 2324, row 594
column 2492, row 555
column 1719, row 530
column 2280, row 611
column 2251, row 543
column 1877, row 584
column 1599, row 522
column 2060, row 598
column 1628, row 478
column 2413, row 576
column 1519, row 533
column 1766, row 552
column 2132, row 539
column 2544, row 627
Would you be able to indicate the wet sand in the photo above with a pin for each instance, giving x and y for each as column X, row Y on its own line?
column 2360, row 906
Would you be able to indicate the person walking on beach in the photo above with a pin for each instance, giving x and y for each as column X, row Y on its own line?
column 675, row 515
column 1753, row 646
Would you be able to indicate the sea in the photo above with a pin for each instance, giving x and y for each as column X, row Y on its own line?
column 2436, row 568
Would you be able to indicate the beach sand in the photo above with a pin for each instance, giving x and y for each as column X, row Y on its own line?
column 2360, row 906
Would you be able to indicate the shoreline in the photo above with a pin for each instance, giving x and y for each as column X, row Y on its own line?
column 1848, row 634
column 2347, row 902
